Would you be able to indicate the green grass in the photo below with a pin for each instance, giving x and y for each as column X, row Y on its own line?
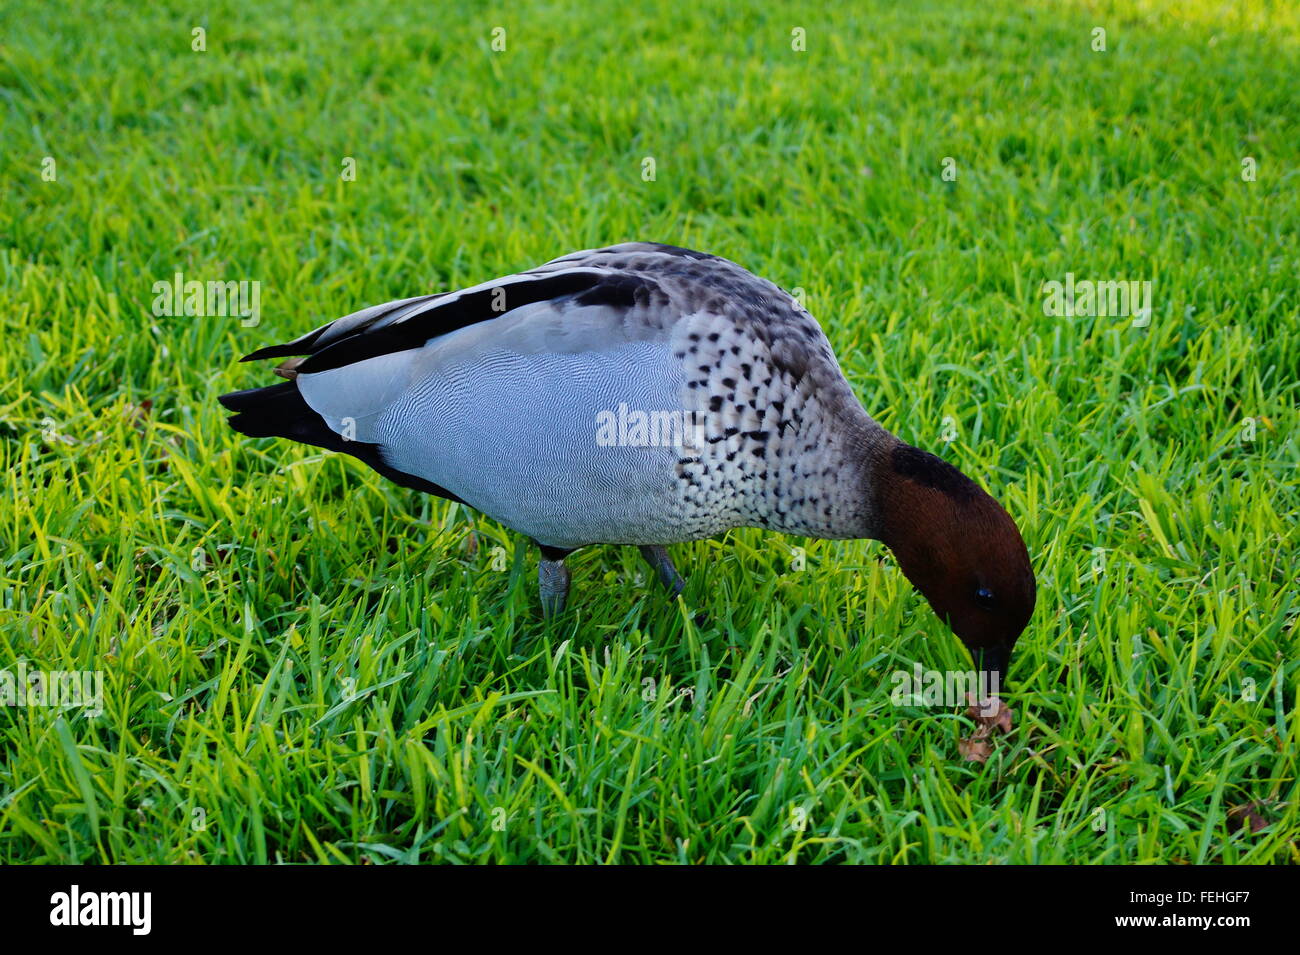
column 303, row 663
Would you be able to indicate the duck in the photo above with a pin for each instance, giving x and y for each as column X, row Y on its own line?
column 643, row 395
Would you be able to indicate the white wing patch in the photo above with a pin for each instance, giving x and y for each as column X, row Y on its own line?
column 504, row 414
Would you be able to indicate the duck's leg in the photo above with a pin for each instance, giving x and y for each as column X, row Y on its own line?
column 656, row 555
column 553, row 580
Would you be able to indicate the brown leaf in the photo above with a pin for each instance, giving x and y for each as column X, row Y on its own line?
column 989, row 714
column 977, row 749
column 1241, row 817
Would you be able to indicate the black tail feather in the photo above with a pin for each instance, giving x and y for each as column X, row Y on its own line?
column 279, row 411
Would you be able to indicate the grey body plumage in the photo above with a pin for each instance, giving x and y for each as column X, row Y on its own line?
column 496, row 394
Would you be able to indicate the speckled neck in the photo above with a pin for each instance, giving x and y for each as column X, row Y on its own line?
column 787, row 446
column 827, row 485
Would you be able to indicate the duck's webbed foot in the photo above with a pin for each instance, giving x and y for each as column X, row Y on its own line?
column 657, row 557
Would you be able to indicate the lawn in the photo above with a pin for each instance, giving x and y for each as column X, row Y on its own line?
column 304, row 663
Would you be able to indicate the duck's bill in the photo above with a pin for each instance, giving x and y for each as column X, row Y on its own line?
column 993, row 662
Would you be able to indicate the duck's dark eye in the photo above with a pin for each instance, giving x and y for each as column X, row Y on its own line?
column 984, row 597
